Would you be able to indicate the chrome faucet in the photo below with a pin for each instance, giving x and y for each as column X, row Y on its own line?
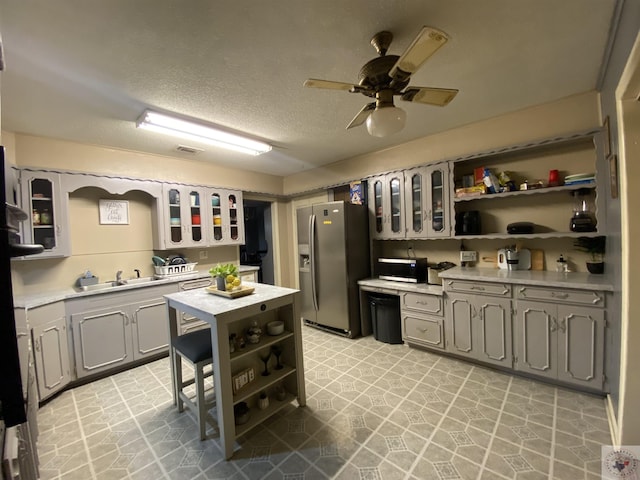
column 119, row 280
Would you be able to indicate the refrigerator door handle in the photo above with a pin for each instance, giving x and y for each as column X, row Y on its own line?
column 312, row 258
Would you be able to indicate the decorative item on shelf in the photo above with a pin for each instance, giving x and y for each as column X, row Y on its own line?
column 241, row 413
column 281, row 392
column 195, row 219
column 240, row 342
column 595, row 247
column 254, row 332
column 275, row 328
column 277, row 351
column 265, row 356
column 217, row 220
column 35, row 218
column 241, row 379
column 226, row 276
column 554, row 178
column 263, row 401
column 232, row 343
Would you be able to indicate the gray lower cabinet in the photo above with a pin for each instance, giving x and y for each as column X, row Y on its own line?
column 50, row 347
column 112, row 330
column 479, row 327
column 422, row 317
column 561, row 342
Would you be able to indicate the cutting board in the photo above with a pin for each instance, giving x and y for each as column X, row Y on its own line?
column 537, row 259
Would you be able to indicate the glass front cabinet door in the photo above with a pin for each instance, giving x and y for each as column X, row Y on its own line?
column 227, row 227
column 427, row 200
column 387, row 206
column 47, row 225
column 183, row 216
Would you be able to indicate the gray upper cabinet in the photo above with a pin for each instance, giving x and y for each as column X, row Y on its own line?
column 427, row 201
column 47, row 225
column 227, row 214
column 182, row 218
column 387, row 206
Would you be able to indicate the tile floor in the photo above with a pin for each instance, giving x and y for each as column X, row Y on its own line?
column 374, row 411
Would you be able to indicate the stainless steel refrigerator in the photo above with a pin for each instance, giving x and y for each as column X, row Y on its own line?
column 333, row 254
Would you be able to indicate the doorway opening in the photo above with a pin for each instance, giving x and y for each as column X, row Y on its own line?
column 257, row 250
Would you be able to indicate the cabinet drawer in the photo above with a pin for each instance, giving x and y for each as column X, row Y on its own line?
column 424, row 303
column 483, row 288
column 427, row 331
column 578, row 297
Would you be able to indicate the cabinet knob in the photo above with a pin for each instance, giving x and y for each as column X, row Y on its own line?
column 263, row 307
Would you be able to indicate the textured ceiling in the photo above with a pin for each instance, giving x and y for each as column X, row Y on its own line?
column 84, row 70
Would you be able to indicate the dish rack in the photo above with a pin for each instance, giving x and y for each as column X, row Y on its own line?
column 166, row 270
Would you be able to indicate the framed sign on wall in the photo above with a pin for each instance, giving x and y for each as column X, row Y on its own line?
column 114, row 212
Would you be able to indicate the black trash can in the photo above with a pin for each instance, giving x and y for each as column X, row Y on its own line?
column 385, row 318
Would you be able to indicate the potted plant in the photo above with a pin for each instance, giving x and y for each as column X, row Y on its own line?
column 594, row 246
column 224, row 274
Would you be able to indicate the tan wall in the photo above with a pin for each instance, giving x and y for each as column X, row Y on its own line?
column 58, row 154
column 575, row 113
column 568, row 115
column 105, row 249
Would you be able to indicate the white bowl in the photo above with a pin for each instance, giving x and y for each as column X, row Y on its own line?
column 275, row 327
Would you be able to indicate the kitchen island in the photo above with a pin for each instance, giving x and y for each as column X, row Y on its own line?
column 229, row 317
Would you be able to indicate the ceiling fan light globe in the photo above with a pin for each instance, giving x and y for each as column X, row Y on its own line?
column 386, row 121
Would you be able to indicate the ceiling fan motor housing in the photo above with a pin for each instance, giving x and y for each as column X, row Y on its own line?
column 375, row 74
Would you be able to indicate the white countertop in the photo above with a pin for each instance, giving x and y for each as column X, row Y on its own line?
column 43, row 298
column 577, row 280
column 376, row 283
column 212, row 305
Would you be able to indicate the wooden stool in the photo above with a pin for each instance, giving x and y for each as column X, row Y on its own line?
column 195, row 348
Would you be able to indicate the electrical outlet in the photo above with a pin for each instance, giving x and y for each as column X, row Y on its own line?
column 204, row 254
column 468, row 256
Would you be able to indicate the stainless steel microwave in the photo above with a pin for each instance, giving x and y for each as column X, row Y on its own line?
column 410, row 270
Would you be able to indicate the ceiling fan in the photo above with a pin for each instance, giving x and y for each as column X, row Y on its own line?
column 389, row 75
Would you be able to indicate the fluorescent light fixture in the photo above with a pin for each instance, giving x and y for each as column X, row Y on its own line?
column 197, row 132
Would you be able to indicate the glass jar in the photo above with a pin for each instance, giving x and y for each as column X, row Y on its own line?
column 35, row 217
column 45, row 217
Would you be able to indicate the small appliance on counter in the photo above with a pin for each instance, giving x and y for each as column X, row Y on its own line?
column 410, row 270
column 511, row 259
column 583, row 219
column 468, row 223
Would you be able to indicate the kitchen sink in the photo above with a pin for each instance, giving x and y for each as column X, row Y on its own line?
column 115, row 285
column 137, row 281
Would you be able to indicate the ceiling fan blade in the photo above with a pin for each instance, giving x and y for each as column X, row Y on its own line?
column 430, row 96
column 315, row 83
column 428, row 41
column 362, row 115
